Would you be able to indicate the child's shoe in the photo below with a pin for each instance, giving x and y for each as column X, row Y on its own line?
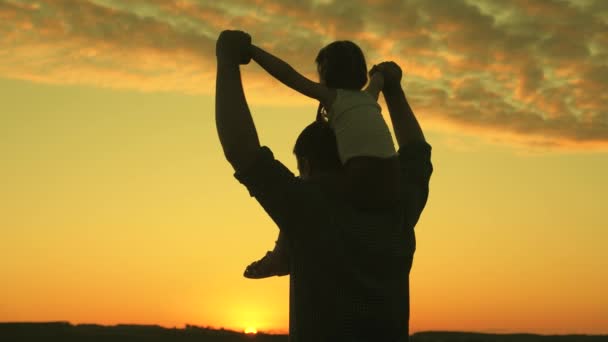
column 272, row 264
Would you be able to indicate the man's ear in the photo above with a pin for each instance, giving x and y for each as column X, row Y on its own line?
column 307, row 166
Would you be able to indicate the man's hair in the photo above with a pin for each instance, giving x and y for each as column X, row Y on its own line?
column 342, row 65
column 317, row 143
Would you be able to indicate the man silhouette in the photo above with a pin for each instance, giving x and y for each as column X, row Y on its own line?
column 349, row 268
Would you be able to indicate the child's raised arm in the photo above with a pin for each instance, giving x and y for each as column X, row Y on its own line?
column 376, row 83
column 291, row 78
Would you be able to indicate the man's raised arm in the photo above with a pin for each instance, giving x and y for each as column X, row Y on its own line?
column 406, row 126
column 234, row 123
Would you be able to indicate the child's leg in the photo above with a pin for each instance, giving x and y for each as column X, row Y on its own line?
column 281, row 249
column 274, row 263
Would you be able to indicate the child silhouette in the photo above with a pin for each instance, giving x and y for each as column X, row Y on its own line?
column 365, row 144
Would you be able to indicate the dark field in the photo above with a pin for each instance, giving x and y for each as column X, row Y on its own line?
column 61, row 331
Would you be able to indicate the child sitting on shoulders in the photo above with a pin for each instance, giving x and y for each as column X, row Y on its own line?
column 365, row 144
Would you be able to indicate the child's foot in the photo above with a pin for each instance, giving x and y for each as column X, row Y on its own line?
column 270, row 265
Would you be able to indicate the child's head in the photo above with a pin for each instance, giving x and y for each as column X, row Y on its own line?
column 341, row 64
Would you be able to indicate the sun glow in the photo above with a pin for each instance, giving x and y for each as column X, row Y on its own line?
column 251, row 331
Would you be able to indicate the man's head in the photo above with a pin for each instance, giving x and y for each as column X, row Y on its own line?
column 317, row 151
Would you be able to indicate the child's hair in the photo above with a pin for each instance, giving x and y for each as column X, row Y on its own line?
column 341, row 64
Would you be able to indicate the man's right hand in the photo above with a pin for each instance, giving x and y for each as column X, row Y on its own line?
column 392, row 74
column 233, row 47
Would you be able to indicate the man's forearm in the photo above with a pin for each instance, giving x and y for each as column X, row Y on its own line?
column 406, row 126
column 233, row 119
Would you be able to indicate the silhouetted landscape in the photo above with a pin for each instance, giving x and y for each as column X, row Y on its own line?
column 63, row 331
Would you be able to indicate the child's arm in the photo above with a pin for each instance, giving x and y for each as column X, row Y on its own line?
column 291, row 78
column 376, row 83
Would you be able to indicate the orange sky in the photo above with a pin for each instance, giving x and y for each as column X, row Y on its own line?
column 117, row 205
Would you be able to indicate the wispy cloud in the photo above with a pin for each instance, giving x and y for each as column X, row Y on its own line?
column 536, row 71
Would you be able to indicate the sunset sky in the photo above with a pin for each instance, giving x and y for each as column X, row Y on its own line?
column 118, row 206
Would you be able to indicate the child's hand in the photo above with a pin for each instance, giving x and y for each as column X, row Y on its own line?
column 233, row 47
column 373, row 71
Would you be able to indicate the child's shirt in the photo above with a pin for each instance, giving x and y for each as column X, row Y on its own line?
column 360, row 129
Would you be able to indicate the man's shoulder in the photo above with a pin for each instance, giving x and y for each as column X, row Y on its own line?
column 265, row 171
column 415, row 149
column 288, row 199
column 415, row 162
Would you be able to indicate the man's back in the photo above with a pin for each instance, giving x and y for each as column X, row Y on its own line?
column 349, row 269
column 375, row 256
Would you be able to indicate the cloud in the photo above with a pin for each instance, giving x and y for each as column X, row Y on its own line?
column 78, row 42
column 532, row 71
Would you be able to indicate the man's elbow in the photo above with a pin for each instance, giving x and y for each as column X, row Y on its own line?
column 232, row 154
column 240, row 158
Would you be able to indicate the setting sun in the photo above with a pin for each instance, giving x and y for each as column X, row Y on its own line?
column 251, row 331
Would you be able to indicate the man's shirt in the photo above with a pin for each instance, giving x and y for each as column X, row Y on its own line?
column 349, row 269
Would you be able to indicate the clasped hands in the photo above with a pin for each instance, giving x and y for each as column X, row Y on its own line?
column 390, row 71
column 233, row 47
